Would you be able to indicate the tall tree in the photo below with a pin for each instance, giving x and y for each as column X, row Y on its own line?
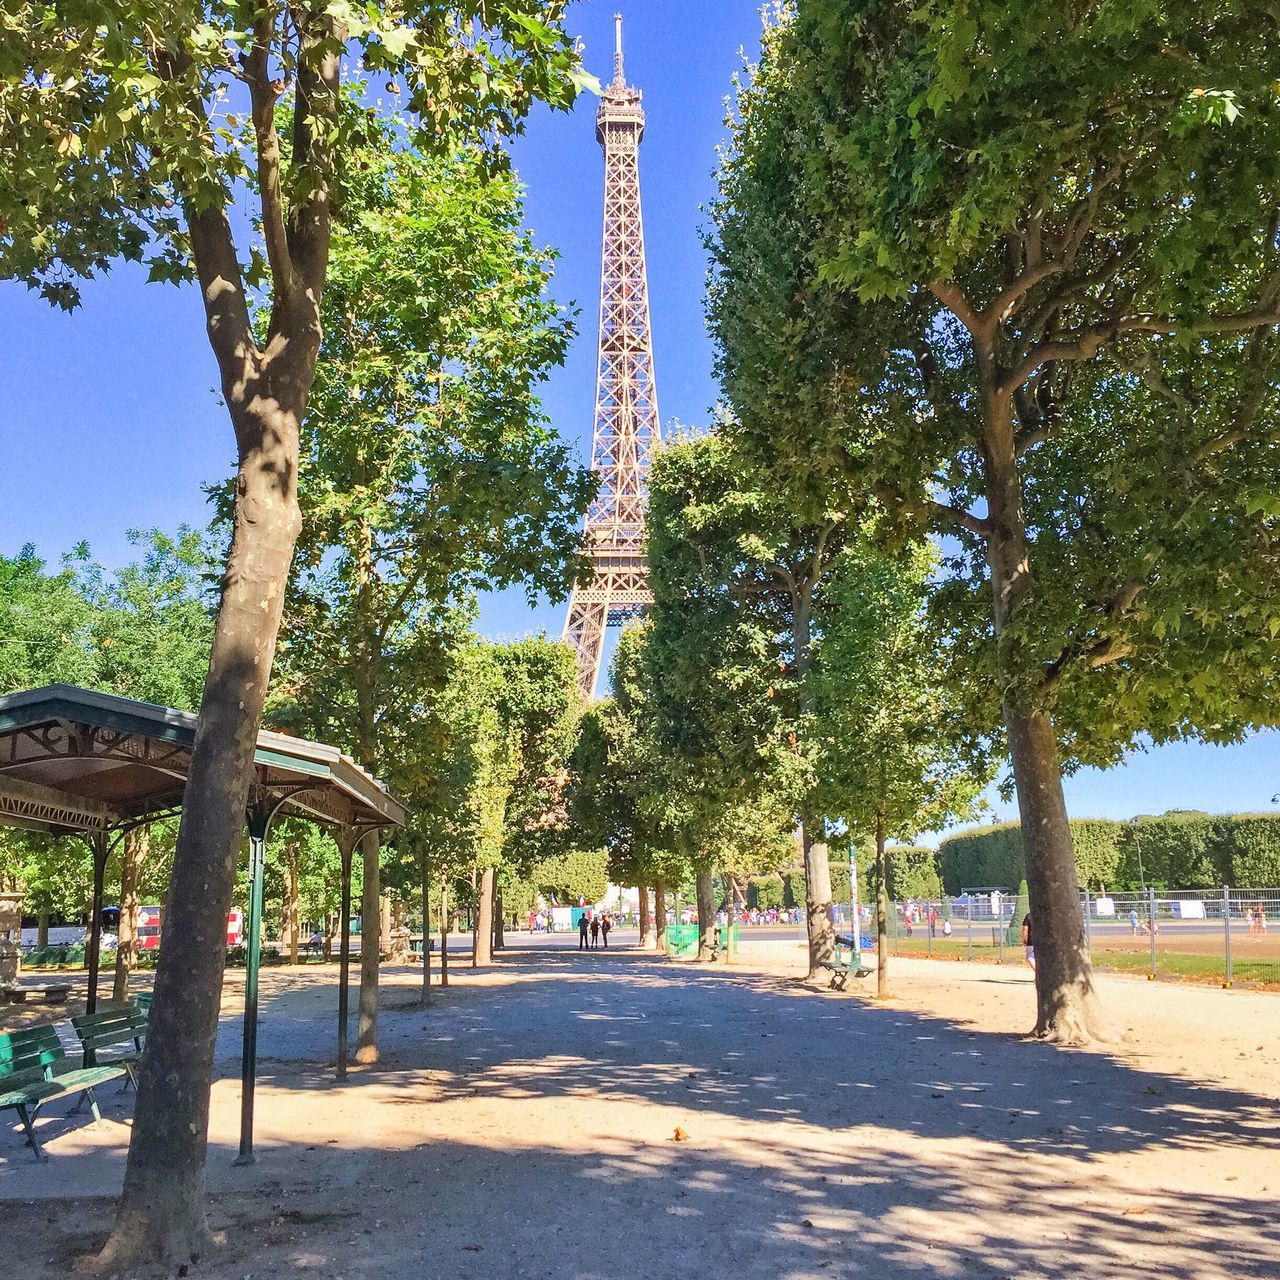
column 430, row 471
column 738, row 570
column 120, row 146
column 1033, row 275
column 898, row 751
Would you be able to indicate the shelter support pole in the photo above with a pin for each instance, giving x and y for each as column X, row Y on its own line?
column 347, row 838
column 855, row 927
column 258, row 818
column 100, row 845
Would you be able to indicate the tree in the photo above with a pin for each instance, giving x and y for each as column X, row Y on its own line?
column 430, row 471
column 898, row 752
column 619, row 781
column 125, row 142
column 1033, row 278
column 738, row 571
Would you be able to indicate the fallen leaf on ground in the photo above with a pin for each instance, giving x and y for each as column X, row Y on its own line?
column 679, row 1135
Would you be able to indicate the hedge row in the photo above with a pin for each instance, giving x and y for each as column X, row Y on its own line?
column 911, row 872
column 1175, row 851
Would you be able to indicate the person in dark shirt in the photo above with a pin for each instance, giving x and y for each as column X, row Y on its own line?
column 583, row 926
column 605, row 925
column 1028, row 942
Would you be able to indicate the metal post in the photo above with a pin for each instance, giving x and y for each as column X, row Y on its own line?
column 1151, row 927
column 968, row 915
column 1226, row 931
column 1088, row 927
column 258, row 819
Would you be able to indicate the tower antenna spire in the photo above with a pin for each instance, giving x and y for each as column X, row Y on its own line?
column 618, row 78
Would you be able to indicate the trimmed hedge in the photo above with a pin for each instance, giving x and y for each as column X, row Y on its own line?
column 1174, row 851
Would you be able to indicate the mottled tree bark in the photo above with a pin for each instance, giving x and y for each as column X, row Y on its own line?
column 482, row 949
column 646, row 922
column 659, row 916
column 499, row 920
column 425, row 878
column 706, row 893
column 137, row 844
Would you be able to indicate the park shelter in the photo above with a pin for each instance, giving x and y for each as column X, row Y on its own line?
column 79, row 762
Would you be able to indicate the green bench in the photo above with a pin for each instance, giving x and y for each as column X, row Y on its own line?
column 121, row 1028
column 34, row 1071
column 841, row 965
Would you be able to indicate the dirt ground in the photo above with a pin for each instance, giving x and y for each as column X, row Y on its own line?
column 526, row 1125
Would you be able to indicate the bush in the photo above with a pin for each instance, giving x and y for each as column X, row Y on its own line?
column 992, row 857
column 571, row 876
column 1252, row 845
column 912, row 872
column 1175, row 851
column 765, row 892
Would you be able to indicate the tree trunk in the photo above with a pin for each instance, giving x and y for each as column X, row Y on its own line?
column 370, row 949
column 1067, row 1006
column 482, row 944
column 817, row 864
column 499, row 921
column 291, row 900
column 425, row 875
column 733, row 897
column 646, row 921
column 882, row 912
column 137, row 844
column 42, row 930
column 817, row 899
column 444, row 931
column 162, row 1210
column 660, row 916
column 706, row 893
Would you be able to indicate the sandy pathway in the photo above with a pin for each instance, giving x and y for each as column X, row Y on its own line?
column 524, row 1127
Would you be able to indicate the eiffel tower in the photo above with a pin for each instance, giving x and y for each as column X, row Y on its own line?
column 626, row 421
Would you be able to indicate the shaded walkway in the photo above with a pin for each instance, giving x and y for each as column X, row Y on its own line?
column 524, row 1126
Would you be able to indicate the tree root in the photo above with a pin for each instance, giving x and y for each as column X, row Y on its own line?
column 139, row 1243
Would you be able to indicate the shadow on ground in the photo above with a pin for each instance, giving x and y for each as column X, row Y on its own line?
column 827, row 1136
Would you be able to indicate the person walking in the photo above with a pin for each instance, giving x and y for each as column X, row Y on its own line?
column 605, row 925
column 1028, row 942
column 583, row 926
column 595, row 932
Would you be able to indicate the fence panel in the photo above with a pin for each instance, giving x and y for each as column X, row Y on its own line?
column 1223, row 936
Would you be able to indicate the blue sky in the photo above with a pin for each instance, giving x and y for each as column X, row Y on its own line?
column 109, row 419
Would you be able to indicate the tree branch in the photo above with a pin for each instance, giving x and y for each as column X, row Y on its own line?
column 263, row 97
column 319, row 51
column 953, row 298
column 960, row 519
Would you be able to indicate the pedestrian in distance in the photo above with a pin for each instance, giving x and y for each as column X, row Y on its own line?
column 583, row 926
column 605, row 925
column 933, row 922
column 1028, row 942
column 595, row 932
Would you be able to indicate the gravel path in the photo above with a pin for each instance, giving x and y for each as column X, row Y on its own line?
column 527, row 1125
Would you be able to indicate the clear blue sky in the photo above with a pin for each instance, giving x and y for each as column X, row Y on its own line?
column 109, row 419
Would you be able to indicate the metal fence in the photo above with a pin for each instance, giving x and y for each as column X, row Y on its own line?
column 1224, row 936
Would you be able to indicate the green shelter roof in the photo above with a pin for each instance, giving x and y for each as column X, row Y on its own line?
column 75, row 759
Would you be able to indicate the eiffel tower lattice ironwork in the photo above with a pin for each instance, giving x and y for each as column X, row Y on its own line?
column 626, row 421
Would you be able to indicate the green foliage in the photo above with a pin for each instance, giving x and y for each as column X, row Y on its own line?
column 127, row 119
column 1255, row 849
column 572, row 876
column 910, row 872
column 765, row 892
column 1175, row 851
column 992, row 857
